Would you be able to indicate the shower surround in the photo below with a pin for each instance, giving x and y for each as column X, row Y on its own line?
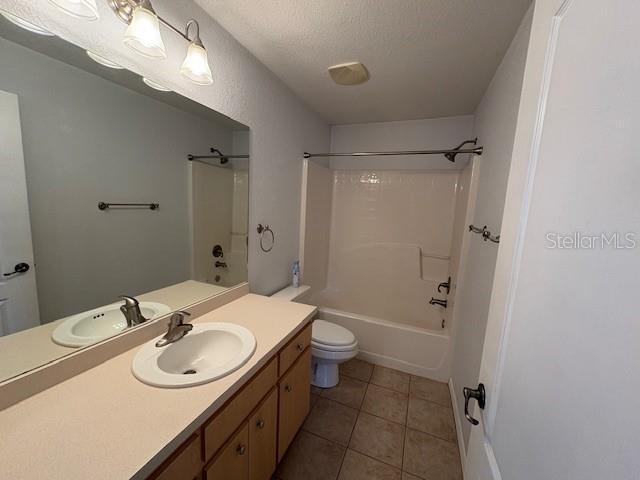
column 389, row 247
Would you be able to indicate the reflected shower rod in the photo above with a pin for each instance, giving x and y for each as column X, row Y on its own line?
column 449, row 153
column 215, row 153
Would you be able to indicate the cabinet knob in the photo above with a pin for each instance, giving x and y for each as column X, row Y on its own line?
column 288, row 388
column 260, row 424
column 300, row 347
column 241, row 449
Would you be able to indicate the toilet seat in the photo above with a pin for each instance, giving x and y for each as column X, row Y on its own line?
column 330, row 337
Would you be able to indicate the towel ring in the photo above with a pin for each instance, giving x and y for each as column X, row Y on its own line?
column 262, row 230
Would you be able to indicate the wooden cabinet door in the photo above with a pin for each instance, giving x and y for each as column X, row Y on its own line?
column 262, row 438
column 233, row 461
column 184, row 463
column 294, row 390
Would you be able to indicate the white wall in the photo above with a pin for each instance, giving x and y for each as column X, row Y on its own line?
column 495, row 123
column 282, row 126
column 86, row 257
column 429, row 134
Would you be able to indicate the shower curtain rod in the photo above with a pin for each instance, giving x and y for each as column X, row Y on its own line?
column 449, row 153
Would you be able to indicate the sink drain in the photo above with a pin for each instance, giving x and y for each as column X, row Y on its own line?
column 191, row 371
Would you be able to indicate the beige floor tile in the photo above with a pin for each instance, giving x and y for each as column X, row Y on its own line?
column 331, row 420
column 360, row 467
column 378, row 438
column 431, row 418
column 389, row 378
column 427, row 389
column 311, row 458
column 316, row 390
column 358, row 369
column 349, row 391
column 313, row 398
column 431, row 458
column 385, row 403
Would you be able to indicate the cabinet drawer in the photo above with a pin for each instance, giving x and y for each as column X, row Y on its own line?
column 185, row 463
column 233, row 461
column 294, row 390
column 230, row 416
column 262, row 438
column 292, row 350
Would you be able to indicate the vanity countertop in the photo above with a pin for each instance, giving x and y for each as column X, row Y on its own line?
column 105, row 424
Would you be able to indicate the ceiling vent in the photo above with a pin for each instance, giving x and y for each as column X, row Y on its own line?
column 352, row 73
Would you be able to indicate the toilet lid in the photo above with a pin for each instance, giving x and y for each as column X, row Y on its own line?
column 327, row 333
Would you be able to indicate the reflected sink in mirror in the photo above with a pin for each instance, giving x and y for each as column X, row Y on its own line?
column 100, row 323
column 209, row 352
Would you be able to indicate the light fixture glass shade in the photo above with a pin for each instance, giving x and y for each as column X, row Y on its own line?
column 143, row 34
column 85, row 9
column 103, row 61
column 196, row 65
column 32, row 27
column 155, row 85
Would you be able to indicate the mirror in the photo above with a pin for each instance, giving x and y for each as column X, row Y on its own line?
column 108, row 187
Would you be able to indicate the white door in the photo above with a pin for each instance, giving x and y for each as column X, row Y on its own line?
column 561, row 352
column 18, row 295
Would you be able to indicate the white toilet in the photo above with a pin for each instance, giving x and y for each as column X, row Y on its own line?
column 331, row 345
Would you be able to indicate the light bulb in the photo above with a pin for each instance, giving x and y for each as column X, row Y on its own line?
column 32, row 27
column 196, row 65
column 143, row 34
column 103, row 61
column 85, row 9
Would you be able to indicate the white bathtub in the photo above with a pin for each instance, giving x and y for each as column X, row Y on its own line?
column 415, row 350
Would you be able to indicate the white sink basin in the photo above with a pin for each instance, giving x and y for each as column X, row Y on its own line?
column 90, row 327
column 208, row 352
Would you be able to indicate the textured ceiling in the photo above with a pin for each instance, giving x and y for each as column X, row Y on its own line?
column 427, row 58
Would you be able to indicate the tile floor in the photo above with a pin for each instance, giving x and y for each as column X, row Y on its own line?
column 376, row 424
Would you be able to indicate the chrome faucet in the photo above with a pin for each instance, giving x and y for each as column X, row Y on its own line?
column 177, row 329
column 131, row 311
column 437, row 301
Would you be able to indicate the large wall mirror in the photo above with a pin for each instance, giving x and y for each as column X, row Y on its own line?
column 109, row 187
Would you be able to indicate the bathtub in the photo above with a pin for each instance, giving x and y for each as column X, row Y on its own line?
column 412, row 349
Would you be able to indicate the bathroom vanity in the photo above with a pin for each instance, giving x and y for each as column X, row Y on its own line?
column 106, row 424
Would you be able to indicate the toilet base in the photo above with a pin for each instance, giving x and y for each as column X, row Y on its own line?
column 324, row 375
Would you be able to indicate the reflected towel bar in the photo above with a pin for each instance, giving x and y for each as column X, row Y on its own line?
column 106, row 206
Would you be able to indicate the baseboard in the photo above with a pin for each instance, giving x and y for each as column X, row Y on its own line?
column 458, row 420
column 401, row 365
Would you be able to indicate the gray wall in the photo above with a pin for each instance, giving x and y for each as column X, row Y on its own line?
column 282, row 126
column 88, row 140
column 495, row 124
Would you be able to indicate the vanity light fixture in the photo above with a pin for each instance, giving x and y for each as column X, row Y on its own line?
column 143, row 35
column 155, row 85
column 103, row 61
column 196, row 64
column 32, row 27
column 84, row 9
column 143, row 32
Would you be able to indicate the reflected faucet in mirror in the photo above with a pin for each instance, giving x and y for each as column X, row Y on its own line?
column 177, row 329
column 131, row 311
